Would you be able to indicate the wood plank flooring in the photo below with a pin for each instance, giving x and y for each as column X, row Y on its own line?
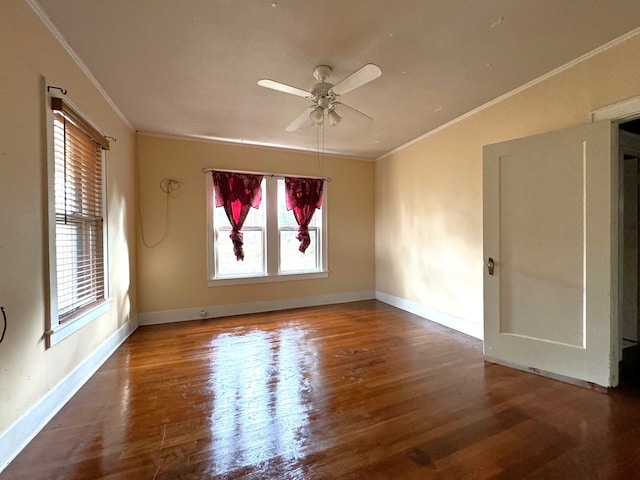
column 351, row 391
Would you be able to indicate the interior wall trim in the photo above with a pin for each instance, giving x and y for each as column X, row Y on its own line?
column 76, row 59
column 251, row 144
column 24, row 429
column 583, row 58
column 625, row 110
column 216, row 311
column 466, row 326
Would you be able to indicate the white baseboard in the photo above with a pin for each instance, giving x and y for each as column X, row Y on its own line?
column 215, row 311
column 463, row 325
column 25, row 428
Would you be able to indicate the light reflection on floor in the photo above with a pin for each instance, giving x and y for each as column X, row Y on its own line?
column 260, row 381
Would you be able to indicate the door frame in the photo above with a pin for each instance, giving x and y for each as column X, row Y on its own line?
column 628, row 143
column 618, row 113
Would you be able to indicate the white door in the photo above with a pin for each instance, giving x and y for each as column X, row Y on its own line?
column 550, row 232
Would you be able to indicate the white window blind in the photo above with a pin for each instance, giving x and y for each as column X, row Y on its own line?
column 78, row 213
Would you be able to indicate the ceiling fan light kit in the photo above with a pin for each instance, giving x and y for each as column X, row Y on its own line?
column 334, row 118
column 324, row 94
column 317, row 116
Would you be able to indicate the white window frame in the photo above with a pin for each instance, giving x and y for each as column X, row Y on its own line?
column 226, row 229
column 56, row 328
column 271, row 240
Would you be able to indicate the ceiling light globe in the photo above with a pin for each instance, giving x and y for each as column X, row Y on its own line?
column 316, row 116
column 334, row 118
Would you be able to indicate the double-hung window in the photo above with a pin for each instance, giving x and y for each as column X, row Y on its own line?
column 254, row 235
column 77, row 235
column 270, row 240
column 290, row 259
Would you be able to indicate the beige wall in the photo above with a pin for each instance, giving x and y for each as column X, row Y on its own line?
column 173, row 275
column 429, row 195
column 29, row 54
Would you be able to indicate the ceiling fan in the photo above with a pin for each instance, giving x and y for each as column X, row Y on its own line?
column 324, row 95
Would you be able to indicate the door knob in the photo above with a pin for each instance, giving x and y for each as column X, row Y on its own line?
column 490, row 266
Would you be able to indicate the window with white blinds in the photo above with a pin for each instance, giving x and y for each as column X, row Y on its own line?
column 78, row 209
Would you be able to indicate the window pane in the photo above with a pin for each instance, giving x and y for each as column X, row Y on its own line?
column 67, row 266
column 255, row 217
column 285, row 217
column 220, row 218
column 254, row 256
column 291, row 259
column 253, row 263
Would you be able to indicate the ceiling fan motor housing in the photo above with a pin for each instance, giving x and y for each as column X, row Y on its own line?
column 322, row 94
column 322, row 72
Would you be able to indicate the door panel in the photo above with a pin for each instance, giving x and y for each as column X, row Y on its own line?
column 548, row 225
column 553, row 180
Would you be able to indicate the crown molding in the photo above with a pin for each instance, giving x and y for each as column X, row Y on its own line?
column 74, row 56
column 546, row 76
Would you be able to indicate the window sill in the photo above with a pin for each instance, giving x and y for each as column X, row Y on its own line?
column 283, row 277
column 69, row 327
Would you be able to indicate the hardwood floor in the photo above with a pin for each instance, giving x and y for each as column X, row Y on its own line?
column 351, row 391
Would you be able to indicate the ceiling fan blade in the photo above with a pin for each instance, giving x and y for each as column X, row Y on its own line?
column 283, row 87
column 341, row 107
column 300, row 120
column 358, row 78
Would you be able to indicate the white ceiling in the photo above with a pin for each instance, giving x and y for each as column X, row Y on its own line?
column 191, row 67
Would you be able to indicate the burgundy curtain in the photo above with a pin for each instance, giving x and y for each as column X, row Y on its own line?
column 304, row 196
column 237, row 193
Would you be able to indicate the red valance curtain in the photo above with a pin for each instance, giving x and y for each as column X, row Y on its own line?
column 237, row 193
column 304, row 196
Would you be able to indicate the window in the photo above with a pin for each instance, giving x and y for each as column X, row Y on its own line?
column 254, row 240
column 78, row 288
column 270, row 244
column 290, row 258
